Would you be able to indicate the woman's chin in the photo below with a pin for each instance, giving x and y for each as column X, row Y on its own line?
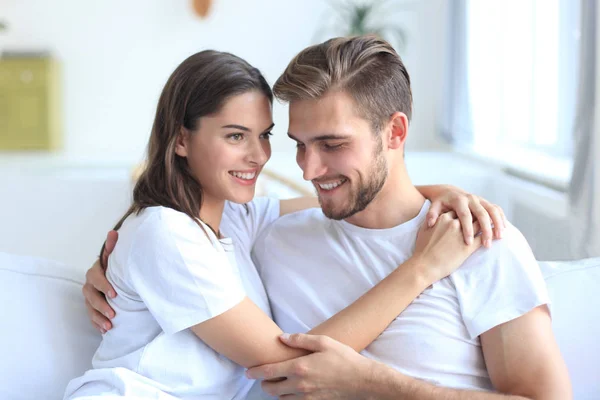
column 242, row 198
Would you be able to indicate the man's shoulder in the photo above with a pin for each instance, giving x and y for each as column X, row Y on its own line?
column 510, row 252
column 499, row 284
column 304, row 223
column 310, row 217
column 292, row 237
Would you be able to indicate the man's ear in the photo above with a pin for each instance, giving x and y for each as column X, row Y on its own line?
column 398, row 124
column 182, row 143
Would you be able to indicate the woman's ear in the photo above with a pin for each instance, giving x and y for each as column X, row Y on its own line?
column 182, row 143
column 399, row 130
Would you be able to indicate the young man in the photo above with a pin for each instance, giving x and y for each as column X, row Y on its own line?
column 486, row 328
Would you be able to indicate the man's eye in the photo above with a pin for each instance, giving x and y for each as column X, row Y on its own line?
column 299, row 145
column 331, row 147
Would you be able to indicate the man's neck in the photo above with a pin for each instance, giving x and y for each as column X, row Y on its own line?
column 398, row 201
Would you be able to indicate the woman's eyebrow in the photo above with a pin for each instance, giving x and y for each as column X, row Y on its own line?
column 234, row 126
column 245, row 129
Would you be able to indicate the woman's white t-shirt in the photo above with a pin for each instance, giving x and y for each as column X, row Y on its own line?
column 170, row 274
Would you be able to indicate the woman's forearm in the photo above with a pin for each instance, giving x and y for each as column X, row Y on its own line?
column 359, row 324
column 297, row 204
column 246, row 335
column 432, row 192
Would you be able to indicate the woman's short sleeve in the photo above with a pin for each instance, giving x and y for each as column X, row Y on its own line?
column 182, row 277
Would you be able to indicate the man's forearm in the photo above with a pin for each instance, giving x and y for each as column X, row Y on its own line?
column 389, row 384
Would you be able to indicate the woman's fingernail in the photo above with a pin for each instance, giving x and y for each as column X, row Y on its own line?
column 285, row 336
column 112, row 294
column 105, row 326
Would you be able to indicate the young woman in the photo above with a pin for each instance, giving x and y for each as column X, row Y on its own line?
column 191, row 311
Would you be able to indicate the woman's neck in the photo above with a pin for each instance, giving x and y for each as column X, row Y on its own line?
column 211, row 213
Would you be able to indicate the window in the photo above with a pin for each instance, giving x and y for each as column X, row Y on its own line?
column 522, row 73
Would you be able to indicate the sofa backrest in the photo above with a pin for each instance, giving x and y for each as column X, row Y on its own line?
column 574, row 289
column 45, row 335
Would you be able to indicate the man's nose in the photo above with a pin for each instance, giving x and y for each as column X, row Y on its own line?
column 312, row 165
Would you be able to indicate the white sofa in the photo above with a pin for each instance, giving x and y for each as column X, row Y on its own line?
column 46, row 338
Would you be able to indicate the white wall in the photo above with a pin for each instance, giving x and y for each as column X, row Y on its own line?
column 116, row 56
column 63, row 213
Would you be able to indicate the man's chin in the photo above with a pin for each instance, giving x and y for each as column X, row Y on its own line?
column 335, row 213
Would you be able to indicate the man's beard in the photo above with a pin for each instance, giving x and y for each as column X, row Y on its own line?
column 368, row 186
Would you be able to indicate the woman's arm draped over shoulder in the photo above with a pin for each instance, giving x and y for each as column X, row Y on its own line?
column 249, row 337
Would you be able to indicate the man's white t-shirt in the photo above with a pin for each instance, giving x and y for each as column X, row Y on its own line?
column 313, row 267
column 170, row 275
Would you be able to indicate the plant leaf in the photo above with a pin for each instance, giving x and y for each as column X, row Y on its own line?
column 356, row 17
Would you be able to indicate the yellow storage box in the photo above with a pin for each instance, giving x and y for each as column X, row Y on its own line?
column 29, row 104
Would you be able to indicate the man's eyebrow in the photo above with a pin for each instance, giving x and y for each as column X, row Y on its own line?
column 293, row 137
column 245, row 129
column 322, row 137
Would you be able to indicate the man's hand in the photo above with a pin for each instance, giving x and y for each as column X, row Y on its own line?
column 332, row 371
column 335, row 371
column 468, row 208
column 97, row 287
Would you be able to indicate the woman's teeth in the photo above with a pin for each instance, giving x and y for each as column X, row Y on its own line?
column 331, row 185
column 244, row 175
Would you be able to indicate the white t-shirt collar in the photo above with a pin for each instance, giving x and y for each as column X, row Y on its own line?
column 408, row 226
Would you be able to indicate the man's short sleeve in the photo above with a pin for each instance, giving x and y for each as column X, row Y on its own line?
column 179, row 274
column 499, row 284
column 248, row 221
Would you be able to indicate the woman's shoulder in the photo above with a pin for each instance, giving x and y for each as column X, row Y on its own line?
column 162, row 225
column 159, row 236
column 258, row 205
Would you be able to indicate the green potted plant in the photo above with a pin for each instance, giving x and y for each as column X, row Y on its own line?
column 355, row 17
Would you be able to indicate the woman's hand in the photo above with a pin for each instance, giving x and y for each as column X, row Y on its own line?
column 441, row 249
column 468, row 207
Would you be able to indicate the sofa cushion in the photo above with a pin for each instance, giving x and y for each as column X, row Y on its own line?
column 46, row 336
column 574, row 289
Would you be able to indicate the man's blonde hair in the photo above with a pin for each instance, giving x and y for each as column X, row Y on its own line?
column 365, row 67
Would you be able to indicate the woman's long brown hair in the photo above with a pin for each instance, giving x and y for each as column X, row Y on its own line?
column 199, row 87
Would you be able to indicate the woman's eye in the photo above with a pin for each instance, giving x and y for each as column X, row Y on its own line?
column 236, row 137
column 266, row 135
